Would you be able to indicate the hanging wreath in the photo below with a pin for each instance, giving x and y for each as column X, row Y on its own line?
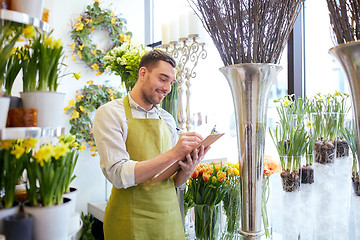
column 87, row 100
column 95, row 18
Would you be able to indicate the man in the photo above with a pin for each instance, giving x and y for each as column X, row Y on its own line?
column 136, row 139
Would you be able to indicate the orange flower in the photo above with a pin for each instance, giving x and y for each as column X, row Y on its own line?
column 206, row 176
column 45, row 15
column 270, row 166
column 195, row 174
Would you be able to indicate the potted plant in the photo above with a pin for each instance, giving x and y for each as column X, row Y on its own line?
column 49, row 173
column 124, row 62
column 13, row 157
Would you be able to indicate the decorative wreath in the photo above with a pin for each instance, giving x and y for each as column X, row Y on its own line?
column 96, row 18
column 87, row 100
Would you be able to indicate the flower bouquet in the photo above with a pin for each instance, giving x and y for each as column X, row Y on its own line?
column 13, row 157
column 124, row 62
column 208, row 189
column 231, row 202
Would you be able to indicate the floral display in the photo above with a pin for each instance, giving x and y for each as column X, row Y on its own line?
column 270, row 167
column 50, row 171
column 124, row 61
column 208, row 189
column 231, row 201
column 87, row 100
column 92, row 19
column 13, row 156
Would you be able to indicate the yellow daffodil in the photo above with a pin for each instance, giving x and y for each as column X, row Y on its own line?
column 29, row 143
column 92, row 29
column 287, row 103
column 60, row 150
column 72, row 102
column 112, row 14
column 90, row 82
column 57, row 43
column 77, row 75
column 29, row 31
column 80, row 55
column 98, row 73
column 44, row 154
column 6, row 144
column 81, row 108
column 81, row 47
column 93, row 51
column 97, row 1
column 73, row 57
column 91, row 143
column 93, row 149
column 88, row 20
column 82, row 148
column 78, row 19
column 79, row 97
column 66, row 109
column 18, row 151
column 95, row 66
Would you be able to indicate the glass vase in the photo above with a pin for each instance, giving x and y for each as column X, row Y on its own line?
column 264, row 209
column 207, row 222
column 231, row 205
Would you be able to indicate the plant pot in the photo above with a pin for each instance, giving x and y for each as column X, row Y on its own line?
column 4, row 108
column 307, row 174
column 73, row 196
column 5, row 212
column 33, row 8
column 49, row 105
column 290, row 173
column 18, row 226
column 355, row 183
column 50, row 222
column 22, row 117
column 342, row 148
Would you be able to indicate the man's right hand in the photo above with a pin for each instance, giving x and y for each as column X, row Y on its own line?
column 186, row 143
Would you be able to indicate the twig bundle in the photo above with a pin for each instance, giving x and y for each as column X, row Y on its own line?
column 345, row 19
column 248, row 31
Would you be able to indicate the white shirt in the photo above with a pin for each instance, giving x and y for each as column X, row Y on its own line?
column 110, row 133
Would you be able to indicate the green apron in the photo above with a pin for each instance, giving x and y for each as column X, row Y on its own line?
column 144, row 211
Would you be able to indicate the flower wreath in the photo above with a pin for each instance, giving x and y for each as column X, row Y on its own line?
column 96, row 18
column 87, row 100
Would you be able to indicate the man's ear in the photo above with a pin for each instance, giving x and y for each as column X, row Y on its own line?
column 142, row 72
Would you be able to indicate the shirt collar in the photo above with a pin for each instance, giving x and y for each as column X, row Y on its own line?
column 138, row 107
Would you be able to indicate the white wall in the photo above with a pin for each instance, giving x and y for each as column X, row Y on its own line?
column 89, row 181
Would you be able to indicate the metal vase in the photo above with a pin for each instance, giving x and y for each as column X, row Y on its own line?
column 349, row 57
column 250, row 85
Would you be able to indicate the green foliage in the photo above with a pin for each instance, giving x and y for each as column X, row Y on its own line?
column 95, row 18
column 350, row 138
column 171, row 101
column 87, row 227
column 88, row 99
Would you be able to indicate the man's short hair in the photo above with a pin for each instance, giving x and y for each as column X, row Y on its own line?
column 151, row 58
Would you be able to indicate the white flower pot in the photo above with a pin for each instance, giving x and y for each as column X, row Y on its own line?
column 32, row 7
column 72, row 195
column 4, row 108
column 5, row 212
column 50, row 222
column 49, row 105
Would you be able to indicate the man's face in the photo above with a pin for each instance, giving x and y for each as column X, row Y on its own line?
column 157, row 83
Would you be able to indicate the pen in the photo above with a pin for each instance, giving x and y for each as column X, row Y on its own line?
column 179, row 130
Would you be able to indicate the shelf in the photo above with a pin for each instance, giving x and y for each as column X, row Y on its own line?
column 24, row 18
column 30, row 132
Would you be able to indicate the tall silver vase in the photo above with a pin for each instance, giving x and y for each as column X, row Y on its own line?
column 349, row 57
column 250, row 85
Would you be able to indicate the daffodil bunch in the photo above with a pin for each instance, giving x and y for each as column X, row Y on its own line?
column 124, row 61
column 231, row 201
column 208, row 183
column 9, row 34
column 50, row 171
column 86, row 101
column 13, row 157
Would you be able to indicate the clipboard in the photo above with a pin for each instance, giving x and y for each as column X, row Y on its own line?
column 174, row 167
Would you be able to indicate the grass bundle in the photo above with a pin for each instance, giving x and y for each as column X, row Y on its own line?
column 345, row 19
column 248, row 31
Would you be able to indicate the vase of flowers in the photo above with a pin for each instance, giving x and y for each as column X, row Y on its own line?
column 49, row 174
column 231, row 203
column 124, row 62
column 207, row 188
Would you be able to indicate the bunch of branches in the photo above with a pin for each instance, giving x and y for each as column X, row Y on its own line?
column 248, row 31
column 345, row 20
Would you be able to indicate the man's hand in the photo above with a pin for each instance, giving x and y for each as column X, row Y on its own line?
column 186, row 143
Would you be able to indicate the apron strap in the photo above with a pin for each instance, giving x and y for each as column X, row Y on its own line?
column 127, row 107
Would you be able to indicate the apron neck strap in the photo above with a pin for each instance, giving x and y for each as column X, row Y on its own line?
column 127, row 107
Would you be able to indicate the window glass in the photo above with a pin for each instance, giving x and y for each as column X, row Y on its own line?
column 322, row 71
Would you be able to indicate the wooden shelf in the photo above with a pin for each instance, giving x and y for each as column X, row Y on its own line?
column 30, row 132
column 23, row 18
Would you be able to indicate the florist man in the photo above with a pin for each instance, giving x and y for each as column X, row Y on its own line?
column 136, row 139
